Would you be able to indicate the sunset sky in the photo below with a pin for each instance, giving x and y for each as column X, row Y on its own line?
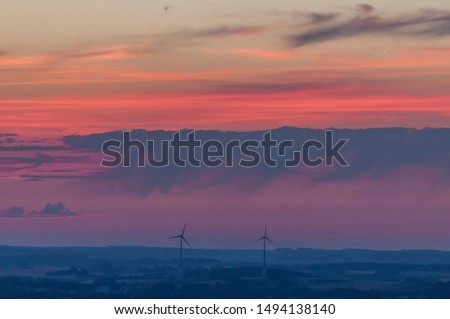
column 92, row 67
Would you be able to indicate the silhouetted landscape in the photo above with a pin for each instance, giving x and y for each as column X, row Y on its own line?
column 143, row 272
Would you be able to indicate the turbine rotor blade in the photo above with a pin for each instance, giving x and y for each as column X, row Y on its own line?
column 173, row 237
column 184, row 229
column 269, row 240
column 263, row 237
column 184, row 239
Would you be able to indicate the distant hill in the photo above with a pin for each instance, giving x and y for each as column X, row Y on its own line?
column 283, row 256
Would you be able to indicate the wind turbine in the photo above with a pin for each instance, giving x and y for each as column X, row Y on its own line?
column 182, row 239
column 264, row 239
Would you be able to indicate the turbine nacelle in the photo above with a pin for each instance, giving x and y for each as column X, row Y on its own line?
column 265, row 237
column 181, row 236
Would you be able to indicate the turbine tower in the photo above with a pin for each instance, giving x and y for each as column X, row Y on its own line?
column 264, row 239
column 182, row 239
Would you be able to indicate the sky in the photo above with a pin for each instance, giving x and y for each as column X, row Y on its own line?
column 90, row 67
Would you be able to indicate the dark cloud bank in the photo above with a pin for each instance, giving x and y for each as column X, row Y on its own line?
column 371, row 153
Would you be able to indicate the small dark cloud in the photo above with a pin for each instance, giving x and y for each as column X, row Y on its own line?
column 366, row 21
column 12, row 212
column 315, row 18
column 320, row 18
column 365, row 8
column 50, row 210
column 54, row 210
